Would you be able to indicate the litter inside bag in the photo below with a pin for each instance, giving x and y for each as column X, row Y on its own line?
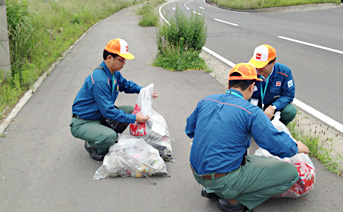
column 303, row 163
column 131, row 156
column 158, row 136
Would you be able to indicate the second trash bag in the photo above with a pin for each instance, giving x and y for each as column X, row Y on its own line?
column 302, row 162
column 155, row 131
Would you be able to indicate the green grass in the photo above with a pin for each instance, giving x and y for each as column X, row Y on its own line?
column 149, row 16
column 318, row 150
column 258, row 4
column 39, row 32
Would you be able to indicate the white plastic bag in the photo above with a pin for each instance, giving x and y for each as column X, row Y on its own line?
column 158, row 136
column 131, row 156
column 303, row 163
column 144, row 106
column 155, row 131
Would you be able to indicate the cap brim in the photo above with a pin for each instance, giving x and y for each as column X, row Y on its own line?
column 258, row 64
column 127, row 56
column 240, row 78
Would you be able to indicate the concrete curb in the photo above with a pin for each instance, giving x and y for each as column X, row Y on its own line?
column 4, row 124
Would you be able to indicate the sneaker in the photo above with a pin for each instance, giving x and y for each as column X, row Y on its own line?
column 226, row 206
column 208, row 195
column 93, row 152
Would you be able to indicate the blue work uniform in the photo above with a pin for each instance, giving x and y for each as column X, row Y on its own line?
column 280, row 88
column 222, row 126
column 99, row 92
column 94, row 101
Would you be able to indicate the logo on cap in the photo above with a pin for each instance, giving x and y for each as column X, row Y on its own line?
column 263, row 54
column 258, row 56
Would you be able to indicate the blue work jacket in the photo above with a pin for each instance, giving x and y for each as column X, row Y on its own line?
column 280, row 88
column 222, row 126
column 99, row 92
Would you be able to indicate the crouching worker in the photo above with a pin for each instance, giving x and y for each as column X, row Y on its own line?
column 95, row 101
column 222, row 126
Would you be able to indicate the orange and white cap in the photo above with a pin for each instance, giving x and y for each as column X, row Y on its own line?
column 263, row 54
column 246, row 71
column 120, row 47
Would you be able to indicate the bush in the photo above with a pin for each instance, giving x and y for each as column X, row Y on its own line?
column 180, row 42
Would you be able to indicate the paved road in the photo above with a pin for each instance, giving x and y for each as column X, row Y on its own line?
column 43, row 168
column 316, row 70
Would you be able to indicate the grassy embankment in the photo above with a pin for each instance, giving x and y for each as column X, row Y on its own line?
column 39, row 32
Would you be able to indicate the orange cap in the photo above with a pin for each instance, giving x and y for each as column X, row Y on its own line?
column 246, row 71
column 262, row 56
column 120, row 47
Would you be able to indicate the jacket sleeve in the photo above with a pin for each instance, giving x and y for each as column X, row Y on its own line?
column 288, row 90
column 191, row 123
column 269, row 138
column 127, row 86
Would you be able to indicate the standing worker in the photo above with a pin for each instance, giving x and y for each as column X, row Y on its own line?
column 95, row 101
column 222, row 125
column 276, row 91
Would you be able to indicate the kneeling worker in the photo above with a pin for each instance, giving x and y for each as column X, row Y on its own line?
column 222, row 125
column 276, row 91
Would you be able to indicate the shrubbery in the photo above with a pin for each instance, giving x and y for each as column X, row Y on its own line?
column 180, row 42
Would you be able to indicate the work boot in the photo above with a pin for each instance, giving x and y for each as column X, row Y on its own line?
column 226, row 206
column 208, row 195
column 93, row 152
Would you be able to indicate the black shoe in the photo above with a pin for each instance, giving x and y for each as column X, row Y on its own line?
column 224, row 205
column 208, row 195
column 93, row 153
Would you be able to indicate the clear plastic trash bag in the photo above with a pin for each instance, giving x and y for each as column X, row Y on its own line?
column 143, row 105
column 155, row 131
column 131, row 156
column 158, row 136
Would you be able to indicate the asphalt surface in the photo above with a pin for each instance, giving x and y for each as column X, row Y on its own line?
column 44, row 168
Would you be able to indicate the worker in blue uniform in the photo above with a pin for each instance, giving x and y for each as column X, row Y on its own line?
column 276, row 91
column 95, row 101
column 221, row 127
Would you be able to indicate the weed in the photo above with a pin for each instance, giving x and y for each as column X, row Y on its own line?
column 318, row 149
column 148, row 14
column 180, row 42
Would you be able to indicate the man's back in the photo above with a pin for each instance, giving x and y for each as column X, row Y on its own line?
column 222, row 133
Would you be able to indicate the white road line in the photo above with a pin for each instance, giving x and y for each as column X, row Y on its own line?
column 322, row 117
column 201, row 8
column 229, row 63
column 187, row 8
column 226, row 22
column 197, row 13
column 310, row 44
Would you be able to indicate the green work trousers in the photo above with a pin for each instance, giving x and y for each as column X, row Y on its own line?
column 98, row 136
column 255, row 182
column 288, row 113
